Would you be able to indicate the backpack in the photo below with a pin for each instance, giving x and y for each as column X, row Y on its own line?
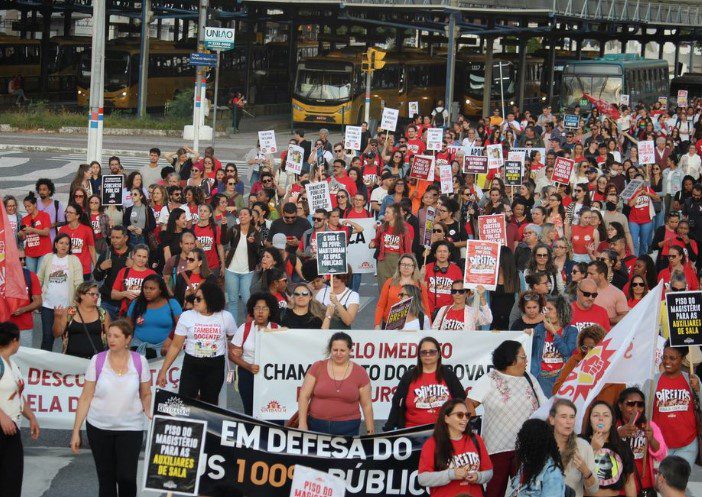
column 439, row 117
column 102, row 357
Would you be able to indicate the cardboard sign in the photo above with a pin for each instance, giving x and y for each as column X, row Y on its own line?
column 482, row 264
column 352, row 138
column 475, row 164
column 663, row 100
column 294, row 159
column 517, row 155
column 435, row 137
column 571, row 121
column 413, row 109
column 682, row 98
column 624, row 100
column 266, row 140
column 631, row 189
column 647, row 154
column 398, row 315
column 111, row 190
column 684, row 318
column 422, row 167
column 331, row 252
column 174, row 450
column 494, row 156
column 493, row 228
column 318, row 196
column 310, row 482
column 429, row 226
column 389, row 119
column 514, row 171
column 562, row 169
column 446, row 177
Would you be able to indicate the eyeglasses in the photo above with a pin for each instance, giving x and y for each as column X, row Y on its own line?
column 406, row 264
column 338, row 150
column 459, row 414
column 458, row 291
column 267, row 180
column 635, row 403
column 430, row 352
column 402, row 295
column 589, row 294
column 72, row 212
column 79, row 195
column 542, row 255
column 302, row 294
column 93, row 294
column 231, row 183
column 577, row 191
column 678, row 289
column 638, row 284
column 559, row 246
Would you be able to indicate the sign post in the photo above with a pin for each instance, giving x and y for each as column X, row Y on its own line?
column 218, row 39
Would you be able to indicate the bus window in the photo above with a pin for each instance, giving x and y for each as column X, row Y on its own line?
column 387, row 78
column 418, row 76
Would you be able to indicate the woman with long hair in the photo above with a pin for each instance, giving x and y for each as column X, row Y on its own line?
column 461, row 314
column 275, row 282
column 583, row 236
column 637, row 290
column 406, row 273
column 35, row 232
column 209, row 238
column 196, row 273
column 80, row 197
column 397, row 192
column 95, row 178
column 270, row 257
column 138, row 218
column 562, row 258
column 134, row 180
column 80, row 231
column 170, row 238
column 531, row 306
column 424, row 389
column 159, row 199
column 153, row 314
column 555, row 212
column 392, row 239
column 454, row 460
column 416, row 319
column 244, row 242
column 502, row 298
column 581, row 199
column 83, row 325
column 82, row 180
column 304, row 311
column 538, row 461
column 542, row 260
column 341, row 303
column 577, row 456
column 99, row 222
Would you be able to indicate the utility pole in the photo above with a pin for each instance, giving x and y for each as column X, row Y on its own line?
column 200, row 77
column 370, row 57
column 450, row 64
column 144, row 57
column 97, row 83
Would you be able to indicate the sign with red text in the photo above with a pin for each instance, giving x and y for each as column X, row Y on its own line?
column 493, row 228
column 422, row 167
column 482, row 264
column 647, row 154
column 266, row 141
column 352, row 138
column 494, row 156
column 308, row 482
column 446, row 177
column 475, row 164
column 562, row 169
column 294, row 159
column 435, row 137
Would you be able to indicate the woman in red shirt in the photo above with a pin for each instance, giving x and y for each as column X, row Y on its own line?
column 35, row 229
column 209, row 239
column 100, row 223
column 392, row 239
column 678, row 262
column 82, row 240
column 584, row 237
column 637, row 290
column 454, row 460
column 641, row 219
column 128, row 282
column 406, row 273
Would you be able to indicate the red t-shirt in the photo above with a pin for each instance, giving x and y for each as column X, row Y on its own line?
column 133, row 281
column 693, row 283
column 370, row 173
column 282, row 303
column 208, row 238
column 338, row 184
column 439, row 284
column 415, row 146
column 673, row 411
column 444, row 158
column 424, row 399
column 35, row 245
column 391, row 242
column 632, row 302
column 582, row 236
column 25, row 321
column 551, row 359
column 640, row 212
column 453, row 320
column 352, row 214
column 582, row 318
column 81, row 240
column 95, row 224
column 465, row 454
column 639, row 446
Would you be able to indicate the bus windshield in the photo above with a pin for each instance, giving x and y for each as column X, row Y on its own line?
column 607, row 88
column 323, row 85
column 476, row 80
column 116, row 68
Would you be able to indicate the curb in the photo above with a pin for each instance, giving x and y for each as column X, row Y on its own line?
column 68, row 150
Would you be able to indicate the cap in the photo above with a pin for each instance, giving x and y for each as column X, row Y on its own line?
column 279, row 240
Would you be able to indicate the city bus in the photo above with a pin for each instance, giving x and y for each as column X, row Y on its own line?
column 330, row 89
column 470, row 83
column 606, row 78
column 692, row 82
column 64, row 58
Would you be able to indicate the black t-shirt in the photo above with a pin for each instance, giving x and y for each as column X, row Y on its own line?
column 455, row 232
column 614, row 464
column 291, row 320
column 296, row 229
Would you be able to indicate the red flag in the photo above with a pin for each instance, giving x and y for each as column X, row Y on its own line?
column 605, row 108
column 13, row 288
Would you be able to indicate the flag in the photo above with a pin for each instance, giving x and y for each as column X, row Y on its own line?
column 627, row 355
column 605, row 108
column 13, row 288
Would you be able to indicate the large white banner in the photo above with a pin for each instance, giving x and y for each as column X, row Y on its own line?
column 285, row 356
column 358, row 253
column 54, row 382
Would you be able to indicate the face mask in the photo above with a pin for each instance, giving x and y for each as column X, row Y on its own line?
column 611, row 206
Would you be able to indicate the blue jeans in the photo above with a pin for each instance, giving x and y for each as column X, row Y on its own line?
column 356, row 282
column 344, row 428
column 47, row 328
column 641, row 234
column 689, row 452
column 237, row 284
column 33, row 263
column 112, row 309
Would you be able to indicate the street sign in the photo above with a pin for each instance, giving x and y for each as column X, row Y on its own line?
column 203, row 59
column 219, row 38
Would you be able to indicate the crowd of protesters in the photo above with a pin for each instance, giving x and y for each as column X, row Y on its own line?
column 198, row 260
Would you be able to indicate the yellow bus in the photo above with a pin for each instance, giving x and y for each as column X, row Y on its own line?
column 330, row 89
column 64, row 57
column 20, row 57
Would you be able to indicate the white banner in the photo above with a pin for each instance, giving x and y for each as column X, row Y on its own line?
column 358, row 253
column 285, row 356
column 54, row 382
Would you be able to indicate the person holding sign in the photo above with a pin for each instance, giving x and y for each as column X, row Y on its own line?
column 406, row 273
column 415, row 320
column 392, row 238
column 341, row 302
column 115, row 399
column 459, row 316
column 641, row 217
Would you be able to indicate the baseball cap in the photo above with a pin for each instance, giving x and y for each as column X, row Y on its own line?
column 279, row 241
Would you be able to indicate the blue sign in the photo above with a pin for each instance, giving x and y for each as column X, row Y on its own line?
column 571, row 121
column 203, row 59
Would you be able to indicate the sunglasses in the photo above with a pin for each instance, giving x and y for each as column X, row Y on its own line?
column 589, row 294
column 431, row 352
column 437, row 231
column 290, row 218
column 318, row 219
column 79, row 195
column 231, row 183
column 302, row 294
column 459, row 414
column 635, row 403
column 678, row 289
column 191, row 259
column 338, row 150
column 267, row 180
column 458, row 291
column 541, row 255
column 638, row 284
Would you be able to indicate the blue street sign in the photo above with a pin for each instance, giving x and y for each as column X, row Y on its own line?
column 203, row 59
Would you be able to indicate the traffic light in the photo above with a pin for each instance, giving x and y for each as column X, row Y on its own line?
column 366, row 63
column 377, row 58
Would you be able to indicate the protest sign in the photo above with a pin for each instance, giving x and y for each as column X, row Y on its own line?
column 359, row 254
column 397, row 317
column 493, row 228
column 174, row 451
column 318, row 196
column 284, row 358
column 331, row 252
column 571, row 121
column 624, row 99
column 294, row 159
column 266, row 140
column 422, row 167
column 494, row 155
column 663, row 100
column 562, row 169
column 529, row 153
column 413, row 109
column 482, row 264
column 474, row 164
column 352, row 138
column 111, row 191
column 514, row 171
column 517, row 155
column 388, row 122
column 446, row 177
column 429, row 226
column 647, row 154
column 684, row 318
column 682, row 98
column 308, row 482
column 631, row 189
column 435, row 137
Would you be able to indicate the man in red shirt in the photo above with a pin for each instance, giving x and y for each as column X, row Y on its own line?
column 584, row 310
column 415, row 145
column 340, row 181
column 23, row 317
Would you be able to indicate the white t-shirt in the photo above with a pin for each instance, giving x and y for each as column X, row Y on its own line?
column 205, row 335
column 240, row 260
column 10, row 383
column 56, row 286
column 378, row 195
column 250, row 345
column 165, row 213
column 116, row 404
column 345, row 298
column 414, row 325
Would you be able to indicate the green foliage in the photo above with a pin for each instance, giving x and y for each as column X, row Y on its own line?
column 181, row 106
